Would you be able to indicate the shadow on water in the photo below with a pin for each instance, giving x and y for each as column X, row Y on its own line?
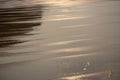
column 16, row 22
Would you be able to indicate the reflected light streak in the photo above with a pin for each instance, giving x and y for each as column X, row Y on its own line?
column 75, row 26
column 64, row 42
column 81, row 77
column 75, row 56
column 77, row 49
column 60, row 2
column 66, row 18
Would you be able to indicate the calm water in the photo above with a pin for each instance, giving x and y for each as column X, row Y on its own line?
column 59, row 40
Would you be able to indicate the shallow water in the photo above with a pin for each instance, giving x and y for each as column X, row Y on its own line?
column 59, row 40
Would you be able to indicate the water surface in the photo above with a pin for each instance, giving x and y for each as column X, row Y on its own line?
column 59, row 40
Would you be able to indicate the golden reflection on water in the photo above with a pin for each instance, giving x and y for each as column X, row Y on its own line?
column 75, row 26
column 75, row 56
column 65, row 42
column 77, row 49
column 65, row 18
column 61, row 2
column 79, row 76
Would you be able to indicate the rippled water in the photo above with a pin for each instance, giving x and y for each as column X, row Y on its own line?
column 59, row 40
